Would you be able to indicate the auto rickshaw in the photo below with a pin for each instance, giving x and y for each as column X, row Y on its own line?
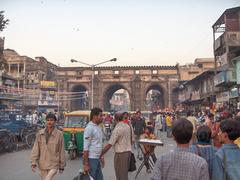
column 74, row 125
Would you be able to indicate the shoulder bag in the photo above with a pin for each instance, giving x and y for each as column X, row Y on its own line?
column 132, row 159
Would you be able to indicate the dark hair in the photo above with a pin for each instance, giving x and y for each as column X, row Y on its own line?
column 182, row 131
column 231, row 127
column 95, row 112
column 204, row 134
column 149, row 123
column 237, row 118
column 149, row 128
column 52, row 116
column 138, row 112
column 119, row 115
column 125, row 113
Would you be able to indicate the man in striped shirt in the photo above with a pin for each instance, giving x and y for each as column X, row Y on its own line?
column 181, row 164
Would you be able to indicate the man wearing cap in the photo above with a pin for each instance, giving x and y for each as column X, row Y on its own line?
column 48, row 150
column 121, row 140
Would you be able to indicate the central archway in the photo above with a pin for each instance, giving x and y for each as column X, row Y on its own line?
column 79, row 98
column 154, row 97
column 116, row 97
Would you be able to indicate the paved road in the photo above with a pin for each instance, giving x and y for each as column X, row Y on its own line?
column 15, row 166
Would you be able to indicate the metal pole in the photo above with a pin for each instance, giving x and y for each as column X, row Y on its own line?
column 169, row 94
column 92, row 67
column 58, row 99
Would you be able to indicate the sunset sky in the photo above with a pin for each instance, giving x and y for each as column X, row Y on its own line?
column 136, row 32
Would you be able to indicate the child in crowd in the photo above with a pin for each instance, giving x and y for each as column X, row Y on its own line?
column 203, row 147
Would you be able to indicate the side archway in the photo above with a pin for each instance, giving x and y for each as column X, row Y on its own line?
column 79, row 98
column 116, row 97
column 154, row 97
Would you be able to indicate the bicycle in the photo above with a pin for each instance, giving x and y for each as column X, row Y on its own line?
column 8, row 141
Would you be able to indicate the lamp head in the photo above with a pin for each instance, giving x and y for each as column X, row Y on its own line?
column 73, row 60
column 114, row 59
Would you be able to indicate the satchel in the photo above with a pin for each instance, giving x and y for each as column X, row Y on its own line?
column 132, row 163
column 132, row 160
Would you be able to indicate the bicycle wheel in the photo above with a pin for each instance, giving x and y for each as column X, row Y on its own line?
column 30, row 138
column 8, row 143
column 14, row 141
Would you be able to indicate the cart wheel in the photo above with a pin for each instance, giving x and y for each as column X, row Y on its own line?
column 72, row 154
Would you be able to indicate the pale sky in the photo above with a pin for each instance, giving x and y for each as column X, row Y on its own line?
column 136, row 32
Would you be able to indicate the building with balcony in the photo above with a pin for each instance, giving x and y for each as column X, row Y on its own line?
column 198, row 93
column 10, row 97
column 226, row 33
column 29, row 73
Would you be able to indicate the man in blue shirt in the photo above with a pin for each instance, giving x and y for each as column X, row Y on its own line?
column 226, row 165
column 93, row 143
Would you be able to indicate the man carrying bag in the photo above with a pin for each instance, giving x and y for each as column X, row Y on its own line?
column 122, row 143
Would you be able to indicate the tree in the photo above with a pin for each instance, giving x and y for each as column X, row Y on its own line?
column 3, row 22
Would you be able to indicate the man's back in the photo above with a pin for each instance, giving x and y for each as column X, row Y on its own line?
column 180, row 165
column 121, row 138
column 231, row 154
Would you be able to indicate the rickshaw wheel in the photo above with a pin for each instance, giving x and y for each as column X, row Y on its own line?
column 72, row 154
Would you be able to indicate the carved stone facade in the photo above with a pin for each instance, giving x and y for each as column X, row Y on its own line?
column 75, row 84
column 137, row 80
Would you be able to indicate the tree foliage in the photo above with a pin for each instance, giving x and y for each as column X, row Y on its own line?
column 3, row 22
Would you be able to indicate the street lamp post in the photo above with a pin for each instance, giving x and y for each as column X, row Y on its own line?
column 92, row 68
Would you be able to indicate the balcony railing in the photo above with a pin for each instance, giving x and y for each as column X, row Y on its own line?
column 225, row 78
column 231, row 38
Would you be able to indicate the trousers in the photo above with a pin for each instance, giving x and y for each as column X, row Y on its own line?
column 121, row 165
column 48, row 174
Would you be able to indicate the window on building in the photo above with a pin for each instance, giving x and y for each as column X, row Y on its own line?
column 79, row 73
column 137, row 72
column 193, row 72
column 154, row 71
column 96, row 72
column 116, row 72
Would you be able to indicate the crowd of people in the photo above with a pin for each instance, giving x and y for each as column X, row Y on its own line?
column 207, row 146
